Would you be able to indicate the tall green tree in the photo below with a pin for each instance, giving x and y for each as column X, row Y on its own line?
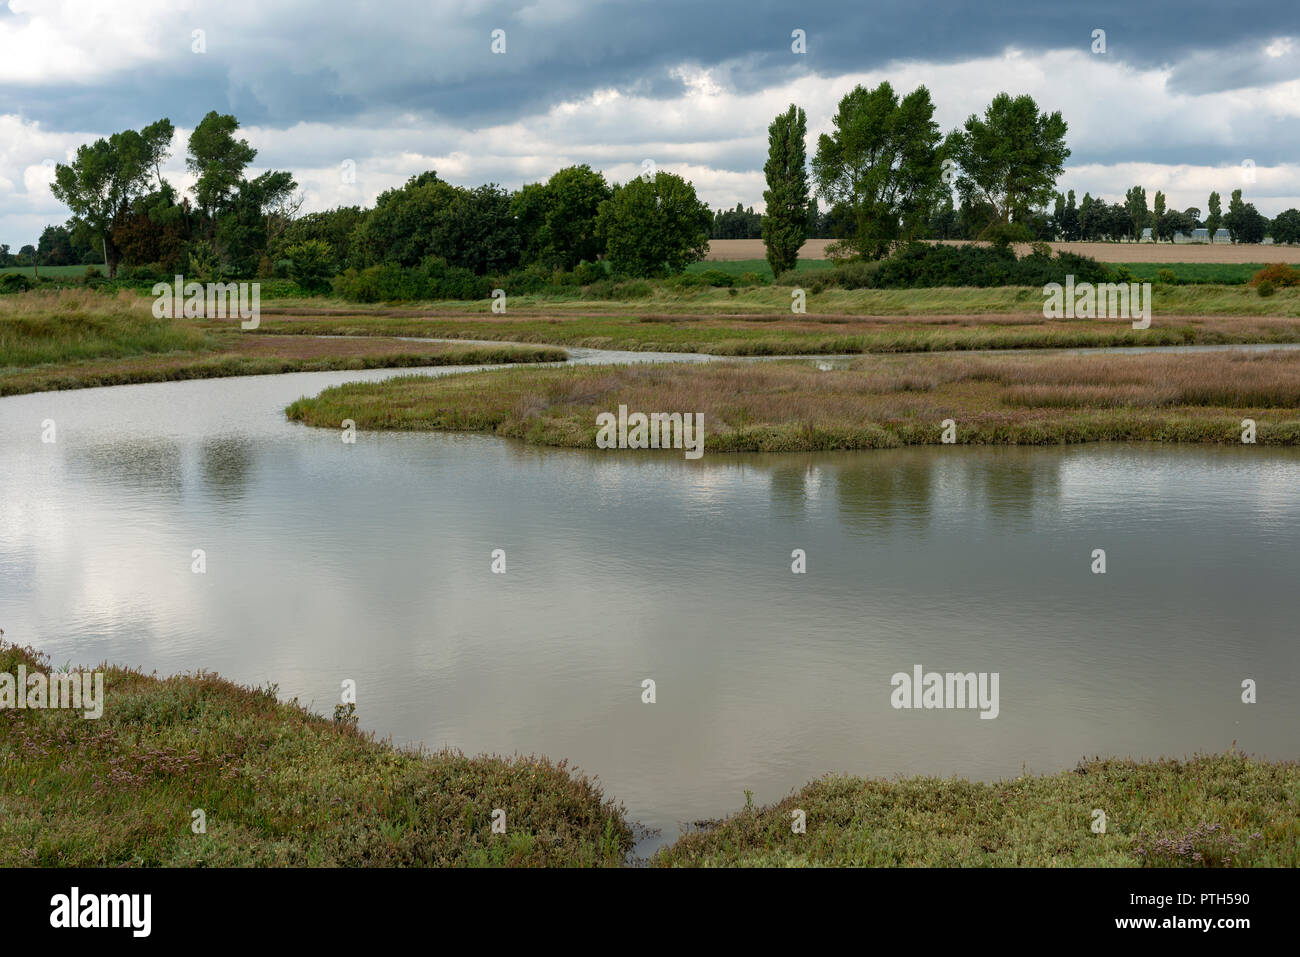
column 557, row 219
column 1088, row 218
column 1070, row 225
column 1286, row 226
column 400, row 227
column 1232, row 220
column 785, row 224
column 1010, row 158
column 1244, row 222
column 1215, row 219
column 656, row 226
column 880, row 166
column 240, row 237
column 1135, row 204
column 1157, row 212
column 217, row 159
column 105, row 176
column 477, row 232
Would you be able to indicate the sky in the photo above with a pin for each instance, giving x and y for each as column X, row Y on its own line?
column 354, row 98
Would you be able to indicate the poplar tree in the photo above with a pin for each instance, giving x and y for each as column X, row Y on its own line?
column 785, row 225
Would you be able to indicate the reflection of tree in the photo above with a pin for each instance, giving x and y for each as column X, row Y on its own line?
column 886, row 488
column 1011, row 479
column 225, row 464
column 790, row 485
column 138, row 463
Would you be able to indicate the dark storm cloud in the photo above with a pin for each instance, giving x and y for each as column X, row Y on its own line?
column 332, row 62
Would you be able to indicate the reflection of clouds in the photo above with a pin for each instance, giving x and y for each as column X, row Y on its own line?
column 371, row 562
column 1183, row 480
column 1276, row 489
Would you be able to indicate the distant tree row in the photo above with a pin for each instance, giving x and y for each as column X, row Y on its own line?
column 887, row 174
column 1094, row 219
column 234, row 225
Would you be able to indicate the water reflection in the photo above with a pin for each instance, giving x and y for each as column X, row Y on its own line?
column 225, row 464
column 372, row 562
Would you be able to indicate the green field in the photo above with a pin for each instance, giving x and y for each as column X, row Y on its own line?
column 54, row 272
column 1223, row 274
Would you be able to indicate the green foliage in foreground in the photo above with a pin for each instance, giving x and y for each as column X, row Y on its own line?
column 1212, row 811
column 277, row 785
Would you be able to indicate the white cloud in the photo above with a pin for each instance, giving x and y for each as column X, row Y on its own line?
column 1126, row 126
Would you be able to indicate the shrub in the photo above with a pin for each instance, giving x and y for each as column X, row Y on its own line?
column 633, row 289
column 1167, row 276
column 752, row 279
column 1278, row 274
column 1265, row 287
column 585, row 273
column 716, row 277
column 387, row 283
column 922, row 265
column 14, row 282
column 311, row 264
column 94, row 272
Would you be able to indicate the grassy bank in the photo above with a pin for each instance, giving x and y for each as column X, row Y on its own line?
column 72, row 340
column 277, row 785
column 813, row 334
column 877, row 402
column 638, row 297
column 1211, row 811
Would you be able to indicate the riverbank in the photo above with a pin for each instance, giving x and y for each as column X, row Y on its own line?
column 75, row 340
column 1211, row 811
column 276, row 785
column 873, row 402
column 279, row 786
column 777, row 334
column 79, row 338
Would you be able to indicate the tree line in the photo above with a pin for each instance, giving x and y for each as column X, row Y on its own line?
column 885, row 175
column 889, row 176
column 231, row 224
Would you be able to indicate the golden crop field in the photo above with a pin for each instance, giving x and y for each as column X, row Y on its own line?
column 728, row 250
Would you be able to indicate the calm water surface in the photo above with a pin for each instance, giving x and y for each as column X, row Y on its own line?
column 371, row 561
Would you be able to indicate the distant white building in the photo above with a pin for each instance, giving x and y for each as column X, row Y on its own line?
column 1199, row 236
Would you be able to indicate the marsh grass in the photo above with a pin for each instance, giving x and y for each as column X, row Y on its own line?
column 75, row 339
column 44, row 328
column 280, row 786
column 1211, row 811
column 72, row 325
column 758, row 322
column 277, row 784
column 875, row 402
